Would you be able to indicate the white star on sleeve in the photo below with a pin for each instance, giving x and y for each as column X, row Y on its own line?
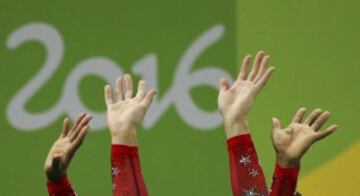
column 250, row 192
column 245, row 160
column 115, row 171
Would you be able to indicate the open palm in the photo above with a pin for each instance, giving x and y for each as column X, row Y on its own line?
column 293, row 141
column 235, row 101
column 125, row 114
column 65, row 146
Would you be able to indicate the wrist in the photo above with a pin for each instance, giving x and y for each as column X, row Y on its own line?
column 55, row 177
column 287, row 162
column 127, row 137
column 240, row 127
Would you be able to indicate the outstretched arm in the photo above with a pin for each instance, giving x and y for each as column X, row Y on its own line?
column 124, row 115
column 61, row 154
column 291, row 143
column 235, row 101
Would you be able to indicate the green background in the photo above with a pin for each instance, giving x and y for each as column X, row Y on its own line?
column 314, row 45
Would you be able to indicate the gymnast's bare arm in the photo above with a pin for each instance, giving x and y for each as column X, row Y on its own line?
column 61, row 154
column 124, row 115
column 291, row 143
column 235, row 101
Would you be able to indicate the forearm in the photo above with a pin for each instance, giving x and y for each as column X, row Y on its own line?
column 126, row 171
column 246, row 173
column 61, row 187
column 284, row 181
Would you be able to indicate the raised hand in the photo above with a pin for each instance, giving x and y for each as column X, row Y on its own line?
column 235, row 101
column 65, row 146
column 292, row 142
column 125, row 114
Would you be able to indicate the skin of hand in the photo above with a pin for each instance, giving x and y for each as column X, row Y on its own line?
column 64, row 148
column 235, row 101
column 292, row 142
column 127, row 111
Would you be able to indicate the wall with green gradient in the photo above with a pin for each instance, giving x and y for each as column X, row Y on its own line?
column 313, row 44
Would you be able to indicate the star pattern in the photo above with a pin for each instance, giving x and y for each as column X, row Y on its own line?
column 115, row 171
column 250, row 192
column 245, row 160
column 254, row 173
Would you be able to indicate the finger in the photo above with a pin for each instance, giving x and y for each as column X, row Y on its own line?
column 323, row 134
column 244, row 68
column 255, row 68
column 80, row 137
column 149, row 97
column 66, row 128
column 223, row 85
column 78, row 120
column 108, row 95
column 313, row 116
column 85, row 121
column 141, row 92
column 128, row 87
column 299, row 115
column 263, row 68
column 80, row 124
column 276, row 123
column 119, row 89
column 320, row 120
column 265, row 78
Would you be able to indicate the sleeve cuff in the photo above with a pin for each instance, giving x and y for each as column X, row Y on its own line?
column 60, row 184
column 286, row 172
column 118, row 149
column 240, row 141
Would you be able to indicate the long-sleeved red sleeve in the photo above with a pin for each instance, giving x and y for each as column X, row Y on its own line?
column 126, row 172
column 60, row 187
column 247, row 177
column 284, row 181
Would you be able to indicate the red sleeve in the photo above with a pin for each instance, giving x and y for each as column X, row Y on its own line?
column 284, row 181
column 61, row 187
column 247, row 177
column 126, row 172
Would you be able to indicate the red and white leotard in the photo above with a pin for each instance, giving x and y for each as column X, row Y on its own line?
column 247, row 177
column 127, row 179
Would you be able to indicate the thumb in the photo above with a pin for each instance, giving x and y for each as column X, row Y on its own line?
column 223, row 85
column 276, row 123
column 149, row 97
